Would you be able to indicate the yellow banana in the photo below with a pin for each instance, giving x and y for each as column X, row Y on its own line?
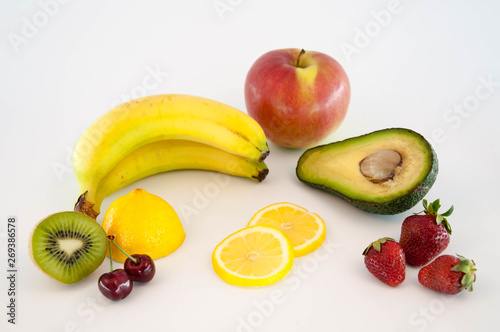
column 145, row 120
column 169, row 155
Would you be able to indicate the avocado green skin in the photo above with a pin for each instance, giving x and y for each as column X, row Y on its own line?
column 395, row 206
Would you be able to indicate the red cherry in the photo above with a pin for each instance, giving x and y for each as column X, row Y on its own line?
column 115, row 285
column 142, row 270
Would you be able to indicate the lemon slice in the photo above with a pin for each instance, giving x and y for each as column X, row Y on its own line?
column 253, row 256
column 305, row 230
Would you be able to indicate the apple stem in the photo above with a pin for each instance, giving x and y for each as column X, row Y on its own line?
column 111, row 238
column 297, row 64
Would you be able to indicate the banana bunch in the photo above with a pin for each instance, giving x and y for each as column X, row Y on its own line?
column 160, row 133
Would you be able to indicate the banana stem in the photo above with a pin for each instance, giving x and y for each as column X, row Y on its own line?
column 85, row 207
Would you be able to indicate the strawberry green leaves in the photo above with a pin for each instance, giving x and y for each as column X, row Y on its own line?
column 385, row 259
column 448, row 274
column 432, row 210
column 376, row 245
column 468, row 267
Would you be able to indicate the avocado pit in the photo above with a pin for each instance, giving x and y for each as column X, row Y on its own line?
column 380, row 166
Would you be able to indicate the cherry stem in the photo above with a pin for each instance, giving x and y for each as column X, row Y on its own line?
column 110, row 257
column 111, row 238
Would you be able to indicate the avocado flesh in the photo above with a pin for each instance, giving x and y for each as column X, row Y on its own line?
column 335, row 168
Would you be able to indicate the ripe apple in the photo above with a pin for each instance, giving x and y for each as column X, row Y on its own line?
column 298, row 97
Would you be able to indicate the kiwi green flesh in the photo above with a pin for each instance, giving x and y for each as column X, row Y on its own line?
column 335, row 168
column 68, row 246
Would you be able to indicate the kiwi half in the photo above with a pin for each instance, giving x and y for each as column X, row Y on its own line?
column 68, row 246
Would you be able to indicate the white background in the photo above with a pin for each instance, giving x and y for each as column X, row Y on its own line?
column 412, row 64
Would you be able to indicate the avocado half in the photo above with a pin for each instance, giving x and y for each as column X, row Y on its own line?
column 367, row 172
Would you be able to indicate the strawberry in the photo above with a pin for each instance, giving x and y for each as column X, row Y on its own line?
column 385, row 259
column 424, row 237
column 448, row 274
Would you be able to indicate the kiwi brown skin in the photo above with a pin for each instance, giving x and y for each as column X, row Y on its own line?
column 98, row 261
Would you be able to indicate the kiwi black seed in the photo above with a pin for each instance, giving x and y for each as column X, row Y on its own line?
column 68, row 246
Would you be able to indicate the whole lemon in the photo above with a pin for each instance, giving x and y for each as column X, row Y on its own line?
column 143, row 223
